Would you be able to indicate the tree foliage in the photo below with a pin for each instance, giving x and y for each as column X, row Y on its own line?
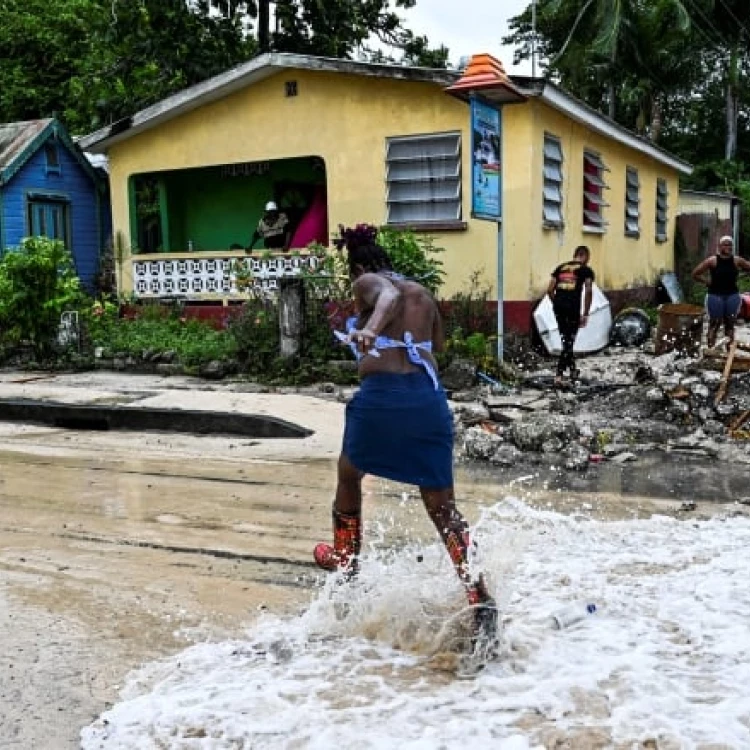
column 675, row 71
column 93, row 62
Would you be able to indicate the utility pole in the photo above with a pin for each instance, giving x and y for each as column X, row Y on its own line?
column 533, row 38
column 264, row 25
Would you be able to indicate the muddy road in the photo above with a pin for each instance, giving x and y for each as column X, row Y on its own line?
column 118, row 549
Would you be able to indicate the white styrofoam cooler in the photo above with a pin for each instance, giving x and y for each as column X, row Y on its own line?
column 591, row 338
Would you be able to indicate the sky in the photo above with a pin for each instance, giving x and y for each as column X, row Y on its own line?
column 467, row 27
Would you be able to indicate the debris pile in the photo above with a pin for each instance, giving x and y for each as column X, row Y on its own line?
column 626, row 403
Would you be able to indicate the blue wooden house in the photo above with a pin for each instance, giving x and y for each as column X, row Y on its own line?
column 48, row 188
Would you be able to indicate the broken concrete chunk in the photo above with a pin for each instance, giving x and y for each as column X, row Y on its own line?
column 622, row 458
column 459, row 375
column 700, row 391
column 552, row 445
column 506, row 455
column 480, row 444
column 576, row 457
column 471, row 413
column 713, row 427
column 655, row 395
column 532, row 433
column 711, row 377
column 506, row 416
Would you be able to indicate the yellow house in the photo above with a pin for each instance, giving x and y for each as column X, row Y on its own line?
column 341, row 142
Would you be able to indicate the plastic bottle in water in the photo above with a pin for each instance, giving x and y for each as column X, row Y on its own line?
column 572, row 614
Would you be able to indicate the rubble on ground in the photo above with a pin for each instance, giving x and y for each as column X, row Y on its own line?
column 626, row 403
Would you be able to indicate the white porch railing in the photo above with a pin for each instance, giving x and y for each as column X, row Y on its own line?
column 212, row 275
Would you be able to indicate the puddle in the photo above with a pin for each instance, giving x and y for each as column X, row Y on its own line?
column 139, row 551
column 665, row 659
column 669, row 476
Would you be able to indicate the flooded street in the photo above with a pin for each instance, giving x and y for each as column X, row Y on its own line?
column 188, row 559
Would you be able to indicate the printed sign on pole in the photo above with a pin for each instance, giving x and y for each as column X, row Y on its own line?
column 486, row 188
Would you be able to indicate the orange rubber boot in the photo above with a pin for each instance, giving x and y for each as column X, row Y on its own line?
column 347, row 540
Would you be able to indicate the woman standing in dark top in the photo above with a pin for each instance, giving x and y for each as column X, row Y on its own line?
column 723, row 299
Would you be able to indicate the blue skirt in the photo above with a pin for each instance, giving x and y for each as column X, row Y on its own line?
column 399, row 427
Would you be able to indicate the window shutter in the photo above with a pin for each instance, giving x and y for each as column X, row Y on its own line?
column 423, row 178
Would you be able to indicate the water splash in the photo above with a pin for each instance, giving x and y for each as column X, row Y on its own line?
column 666, row 658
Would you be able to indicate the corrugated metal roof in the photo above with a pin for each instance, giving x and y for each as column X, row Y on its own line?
column 15, row 136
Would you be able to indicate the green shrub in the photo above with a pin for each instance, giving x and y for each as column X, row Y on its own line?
column 329, row 280
column 37, row 284
column 156, row 329
column 469, row 309
column 255, row 333
column 413, row 255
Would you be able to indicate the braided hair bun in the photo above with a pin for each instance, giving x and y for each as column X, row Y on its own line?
column 365, row 254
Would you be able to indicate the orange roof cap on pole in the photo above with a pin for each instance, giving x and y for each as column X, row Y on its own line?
column 486, row 75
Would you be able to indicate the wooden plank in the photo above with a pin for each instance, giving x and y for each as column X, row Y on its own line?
column 735, row 424
column 724, row 382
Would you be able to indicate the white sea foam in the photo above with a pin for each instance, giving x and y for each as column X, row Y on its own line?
column 665, row 658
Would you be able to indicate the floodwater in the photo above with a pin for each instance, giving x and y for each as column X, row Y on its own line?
column 157, row 592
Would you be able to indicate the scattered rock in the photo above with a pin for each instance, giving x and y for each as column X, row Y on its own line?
column 214, row 370
column 168, row 356
column 688, row 506
column 679, row 408
column 576, row 457
column 704, row 413
column 711, row 377
column 506, row 455
column 507, row 416
column 465, row 396
column 553, row 445
column 459, row 375
column 471, row 413
column 327, row 387
column 564, row 403
column 644, row 375
column 532, row 433
column 480, row 444
column 655, row 395
column 167, row 369
column 713, row 427
column 622, row 458
column 726, row 410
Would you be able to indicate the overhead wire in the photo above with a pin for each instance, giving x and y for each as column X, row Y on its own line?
column 734, row 18
column 719, row 37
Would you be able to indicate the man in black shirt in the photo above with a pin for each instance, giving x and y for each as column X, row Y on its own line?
column 568, row 282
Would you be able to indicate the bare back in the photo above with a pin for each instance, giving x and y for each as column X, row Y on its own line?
column 415, row 311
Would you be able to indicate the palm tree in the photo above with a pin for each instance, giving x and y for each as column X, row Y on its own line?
column 639, row 31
